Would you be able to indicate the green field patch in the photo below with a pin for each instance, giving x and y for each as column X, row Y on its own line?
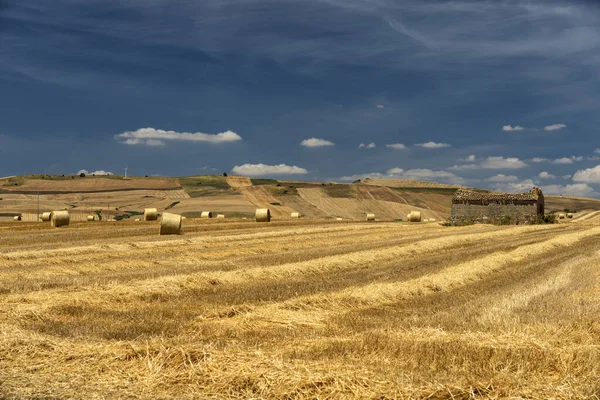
column 260, row 181
column 206, row 185
column 339, row 191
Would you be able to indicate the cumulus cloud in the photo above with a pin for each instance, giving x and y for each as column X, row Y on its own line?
column 470, row 158
column 554, row 127
column 576, row 189
column 589, row 175
column 100, row 172
column 538, row 160
column 563, row 160
column 396, row 146
column 502, row 178
column 464, row 167
column 432, row 145
column 367, row 146
column 502, row 163
column 262, row 169
column 597, row 151
column 411, row 174
column 546, row 175
column 316, row 142
column 508, row 128
column 515, row 187
column 156, row 137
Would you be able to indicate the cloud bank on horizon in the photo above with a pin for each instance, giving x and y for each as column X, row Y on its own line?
column 494, row 94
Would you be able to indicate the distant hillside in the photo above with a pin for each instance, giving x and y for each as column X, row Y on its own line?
column 237, row 196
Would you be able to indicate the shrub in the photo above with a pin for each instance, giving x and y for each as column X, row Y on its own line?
column 82, row 175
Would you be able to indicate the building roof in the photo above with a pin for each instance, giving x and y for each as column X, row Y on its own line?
column 466, row 196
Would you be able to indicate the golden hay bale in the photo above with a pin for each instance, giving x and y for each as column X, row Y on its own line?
column 431, row 219
column 415, row 216
column 569, row 215
column 262, row 215
column 561, row 215
column 60, row 218
column 17, row 218
column 426, row 220
column 295, row 215
column 339, row 219
column 46, row 216
column 220, row 215
column 90, row 218
column 370, row 217
column 206, row 214
column 170, row 224
column 137, row 220
column 150, row 214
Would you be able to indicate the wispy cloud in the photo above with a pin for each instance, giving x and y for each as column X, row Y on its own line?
column 316, row 142
column 380, row 106
column 576, row 189
column 263, row 169
column 509, row 128
column 157, row 137
column 367, row 146
column 410, row 174
column 546, row 175
column 539, row 160
column 554, row 127
column 99, row 172
column 432, row 145
column 502, row 178
column 502, row 163
column 396, row 146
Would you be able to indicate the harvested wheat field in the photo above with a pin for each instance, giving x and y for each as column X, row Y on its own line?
column 299, row 309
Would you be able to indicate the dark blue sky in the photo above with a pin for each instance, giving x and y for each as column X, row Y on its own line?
column 497, row 94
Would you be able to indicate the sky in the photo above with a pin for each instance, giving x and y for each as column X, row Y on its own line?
column 492, row 94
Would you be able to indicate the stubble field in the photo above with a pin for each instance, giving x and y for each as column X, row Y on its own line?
column 300, row 309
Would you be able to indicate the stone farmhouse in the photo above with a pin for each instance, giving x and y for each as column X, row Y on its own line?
column 496, row 208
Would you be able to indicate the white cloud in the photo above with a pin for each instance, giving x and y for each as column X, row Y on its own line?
column 262, row 169
column 597, row 151
column 380, row 106
column 576, row 189
column 100, row 172
column 397, row 146
column 156, row 137
column 508, row 128
column 367, row 146
column 432, row 145
column 563, row 160
column 546, row 175
column 411, row 174
column 464, row 167
column 502, row 178
column 315, row 142
column 470, row 158
column 589, row 175
column 515, row 187
column 502, row 163
column 554, row 127
column 538, row 160
column 567, row 176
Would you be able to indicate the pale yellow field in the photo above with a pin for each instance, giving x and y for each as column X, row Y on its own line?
column 303, row 309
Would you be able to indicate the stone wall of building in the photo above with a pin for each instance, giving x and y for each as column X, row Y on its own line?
column 493, row 213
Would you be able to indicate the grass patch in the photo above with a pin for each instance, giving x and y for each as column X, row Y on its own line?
column 339, row 191
column 206, row 185
column 260, row 181
column 281, row 190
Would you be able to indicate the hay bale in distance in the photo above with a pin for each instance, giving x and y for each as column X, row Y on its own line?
column 561, row 215
column 60, row 218
column 370, row 217
column 137, row 220
column 569, row 215
column 206, row 214
column 262, row 215
column 46, row 216
column 339, row 219
column 220, row 215
column 415, row 216
column 170, row 224
column 431, row 219
column 150, row 214
column 17, row 218
column 295, row 215
column 90, row 218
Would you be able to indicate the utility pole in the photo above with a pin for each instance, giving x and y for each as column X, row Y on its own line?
column 108, row 219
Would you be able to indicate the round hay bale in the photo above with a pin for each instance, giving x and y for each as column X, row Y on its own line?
column 170, row 224
column 415, row 216
column 46, row 216
column 370, row 217
column 431, row 219
column 137, row 220
column 295, row 215
column 561, row 215
column 262, row 215
column 206, row 214
column 426, row 220
column 90, row 218
column 220, row 215
column 569, row 215
column 17, row 218
column 60, row 218
column 339, row 219
column 150, row 214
